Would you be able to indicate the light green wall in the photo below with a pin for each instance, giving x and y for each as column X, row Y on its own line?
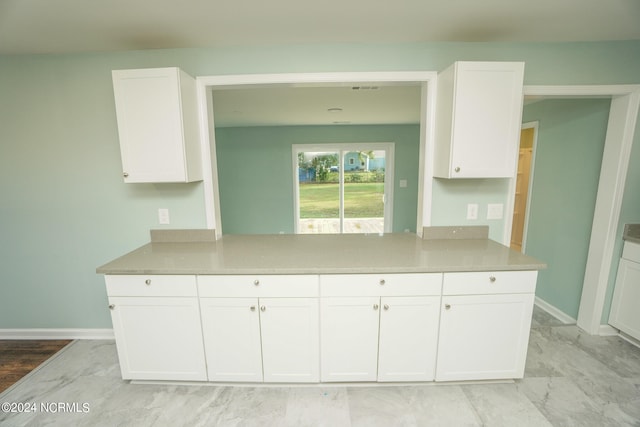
column 64, row 209
column 568, row 157
column 256, row 176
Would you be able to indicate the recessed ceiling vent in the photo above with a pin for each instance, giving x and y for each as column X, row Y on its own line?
column 365, row 87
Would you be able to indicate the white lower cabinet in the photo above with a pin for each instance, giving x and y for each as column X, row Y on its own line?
column 261, row 339
column 261, row 328
column 485, row 336
column 156, row 323
column 158, row 338
column 379, row 338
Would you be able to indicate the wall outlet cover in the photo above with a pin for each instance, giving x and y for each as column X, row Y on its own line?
column 494, row 210
column 472, row 211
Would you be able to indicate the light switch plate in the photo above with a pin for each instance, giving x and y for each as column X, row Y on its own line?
column 403, row 183
column 472, row 211
column 494, row 210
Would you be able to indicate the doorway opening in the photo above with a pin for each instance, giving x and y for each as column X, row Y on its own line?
column 528, row 135
column 343, row 188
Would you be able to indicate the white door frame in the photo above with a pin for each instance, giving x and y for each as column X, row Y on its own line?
column 205, row 85
column 625, row 103
column 340, row 148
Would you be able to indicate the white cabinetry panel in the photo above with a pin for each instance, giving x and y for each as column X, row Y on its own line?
column 483, row 336
column 349, row 338
column 157, row 117
column 231, row 331
column 158, row 338
column 479, row 110
column 624, row 307
column 408, row 338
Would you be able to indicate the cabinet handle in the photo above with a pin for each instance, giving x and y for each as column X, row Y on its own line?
column 263, row 308
column 256, row 282
column 253, row 308
column 447, row 306
column 126, row 175
column 147, row 282
column 376, row 306
column 386, row 306
column 112, row 306
column 382, row 281
column 457, row 169
column 492, row 279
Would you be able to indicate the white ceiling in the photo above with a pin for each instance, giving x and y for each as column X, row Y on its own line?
column 74, row 26
column 65, row 26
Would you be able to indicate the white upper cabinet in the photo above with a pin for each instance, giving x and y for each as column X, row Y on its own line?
column 478, row 115
column 158, row 125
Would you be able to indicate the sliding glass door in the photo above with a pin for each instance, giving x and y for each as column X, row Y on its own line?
column 343, row 188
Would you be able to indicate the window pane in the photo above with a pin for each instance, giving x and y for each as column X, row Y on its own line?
column 319, row 192
column 364, row 174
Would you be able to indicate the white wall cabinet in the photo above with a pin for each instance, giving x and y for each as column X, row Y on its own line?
column 379, row 337
column 253, row 331
column 158, row 334
column 485, row 335
column 478, row 118
column 624, row 307
column 157, row 117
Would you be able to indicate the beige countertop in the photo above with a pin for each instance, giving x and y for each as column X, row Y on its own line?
column 632, row 233
column 320, row 254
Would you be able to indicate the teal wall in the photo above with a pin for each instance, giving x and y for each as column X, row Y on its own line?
column 256, row 176
column 64, row 209
column 568, row 157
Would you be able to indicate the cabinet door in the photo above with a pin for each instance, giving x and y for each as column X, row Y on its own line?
column 483, row 336
column 158, row 338
column 624, row 309
column 408, row 338
column 231, row 330
column 349, row 338
column 479, row 116
column 157, row 125
column 290, row 339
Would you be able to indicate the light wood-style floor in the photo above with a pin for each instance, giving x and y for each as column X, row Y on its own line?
column 19, row 357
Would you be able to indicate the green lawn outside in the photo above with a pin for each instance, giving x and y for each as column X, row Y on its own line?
column 361, row 200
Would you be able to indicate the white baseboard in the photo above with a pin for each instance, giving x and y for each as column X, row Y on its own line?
column 555, row 312
column 608, row 331
column 56, row 334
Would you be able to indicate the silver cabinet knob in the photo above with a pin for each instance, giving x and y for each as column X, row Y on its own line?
column 457, row 169
column 256, row 282
column 492, row 279
column 112, row 306
column 126, row 175
column 386, row 306
column 147, row 282
column 447, row 306
column 252, row 308
column 376, row 306
column 382, row 281
column 263, row 308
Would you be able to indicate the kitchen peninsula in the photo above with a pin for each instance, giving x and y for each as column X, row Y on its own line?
column 322, row 308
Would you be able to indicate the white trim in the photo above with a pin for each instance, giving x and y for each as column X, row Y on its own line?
column 534, row 148
column 554, row 311
column 56, row 334
column 615, row 162
column 629, row 339
column 205, row 84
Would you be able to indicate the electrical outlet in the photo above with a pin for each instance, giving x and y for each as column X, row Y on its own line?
column 494, row 210
column 472, row 211
column 163, row 216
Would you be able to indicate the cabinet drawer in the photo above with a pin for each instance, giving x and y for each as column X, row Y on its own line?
column 631, row 251
column 497, row 282
column 380, row 284
column 258, row 286
column 151, row 285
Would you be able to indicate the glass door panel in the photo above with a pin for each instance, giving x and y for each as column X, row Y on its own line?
column 364, row 197
column 319, row 192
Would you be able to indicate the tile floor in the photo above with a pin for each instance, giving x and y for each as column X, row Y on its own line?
column 572, row 379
